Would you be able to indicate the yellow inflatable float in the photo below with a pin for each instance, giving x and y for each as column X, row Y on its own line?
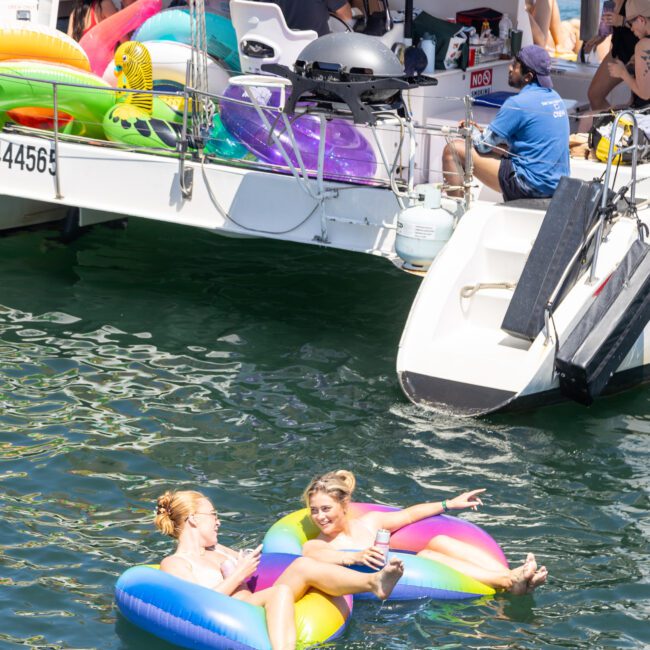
column 40, row 43
column 140, row 119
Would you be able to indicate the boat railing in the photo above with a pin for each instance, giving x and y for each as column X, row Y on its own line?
column 607, row 205
column 612, row 153
column 399, row 167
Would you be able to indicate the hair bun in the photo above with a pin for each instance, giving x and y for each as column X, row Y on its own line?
column 163, row 505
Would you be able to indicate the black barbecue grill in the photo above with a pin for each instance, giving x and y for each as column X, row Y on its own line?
column 356, row 70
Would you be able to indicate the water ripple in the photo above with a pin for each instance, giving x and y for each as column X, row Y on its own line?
column 124, row 374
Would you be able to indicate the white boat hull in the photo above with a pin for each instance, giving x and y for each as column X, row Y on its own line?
column 453, row 354
column 226, row 199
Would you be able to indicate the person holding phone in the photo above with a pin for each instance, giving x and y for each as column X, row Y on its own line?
column 636, row 74
column 622, row 49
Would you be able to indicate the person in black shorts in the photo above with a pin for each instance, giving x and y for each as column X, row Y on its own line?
column 623, row 44
column 524, row 151
column 313, row 14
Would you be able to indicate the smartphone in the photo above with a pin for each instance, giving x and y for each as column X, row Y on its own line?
column 608, row 6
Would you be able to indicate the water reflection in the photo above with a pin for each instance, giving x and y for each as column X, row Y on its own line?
column 131, row 362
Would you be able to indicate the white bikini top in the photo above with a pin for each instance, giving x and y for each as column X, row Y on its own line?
column 204, row 576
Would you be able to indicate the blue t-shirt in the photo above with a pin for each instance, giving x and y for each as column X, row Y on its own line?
column 536, row 126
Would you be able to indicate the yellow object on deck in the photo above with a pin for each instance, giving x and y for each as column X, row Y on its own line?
column 40, row 43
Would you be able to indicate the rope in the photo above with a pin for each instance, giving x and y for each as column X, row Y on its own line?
column 470, row 289
column 228, row 217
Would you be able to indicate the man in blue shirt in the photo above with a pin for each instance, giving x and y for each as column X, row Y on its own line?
column 529, row 136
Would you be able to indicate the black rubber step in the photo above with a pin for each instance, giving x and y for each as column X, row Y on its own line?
column 595, row 348
column 570, row 215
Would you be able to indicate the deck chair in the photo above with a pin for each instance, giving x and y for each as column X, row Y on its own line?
column 264, row 37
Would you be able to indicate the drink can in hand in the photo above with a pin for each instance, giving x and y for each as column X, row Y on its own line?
column 227, row 568
column 382, row 541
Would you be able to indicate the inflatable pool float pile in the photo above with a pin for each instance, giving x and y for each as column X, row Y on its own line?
column 175, row 25
column 192, row 616
column 28, row 86
column 423, row 578
column 100, row 42
column 348, row 155
column 42, row 44
column 169, row 60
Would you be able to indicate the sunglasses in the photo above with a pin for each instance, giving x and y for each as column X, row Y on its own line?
column 628, row 22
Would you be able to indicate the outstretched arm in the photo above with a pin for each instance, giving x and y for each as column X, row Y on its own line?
column 396, row 520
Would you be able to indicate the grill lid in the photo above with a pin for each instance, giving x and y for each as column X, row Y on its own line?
column 350, row 69
column 349, row 53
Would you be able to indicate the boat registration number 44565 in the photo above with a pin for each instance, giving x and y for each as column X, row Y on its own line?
column 28, row 158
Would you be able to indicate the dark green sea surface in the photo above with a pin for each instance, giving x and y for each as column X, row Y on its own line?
column 133, row 361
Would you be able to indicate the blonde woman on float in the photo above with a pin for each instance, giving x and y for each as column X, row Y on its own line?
column 191, row 519
column 328, row 497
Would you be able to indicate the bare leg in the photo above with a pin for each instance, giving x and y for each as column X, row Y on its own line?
column 601, row 85
column 278, row 602
column 603, row 49
column 542, row 14
column 557, row 30
column 540, row 37
column 335, row 580
column 516, row 581
column 464, row 551
column 486, row 168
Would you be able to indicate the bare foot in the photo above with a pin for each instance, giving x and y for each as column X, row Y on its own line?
column 387, row 578
column 538, row 579
column 522, row 575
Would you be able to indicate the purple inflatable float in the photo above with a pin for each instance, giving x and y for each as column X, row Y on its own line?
column 348, row 155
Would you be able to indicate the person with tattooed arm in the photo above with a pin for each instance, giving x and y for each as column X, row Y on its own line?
column 636, row 74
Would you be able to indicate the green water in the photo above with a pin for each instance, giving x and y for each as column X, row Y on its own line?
column 155, row 357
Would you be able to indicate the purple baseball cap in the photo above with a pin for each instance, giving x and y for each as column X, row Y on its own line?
column 537, row 59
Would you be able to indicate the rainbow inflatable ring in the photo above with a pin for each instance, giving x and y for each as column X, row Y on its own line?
column 192, row 616
column 423, row 578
